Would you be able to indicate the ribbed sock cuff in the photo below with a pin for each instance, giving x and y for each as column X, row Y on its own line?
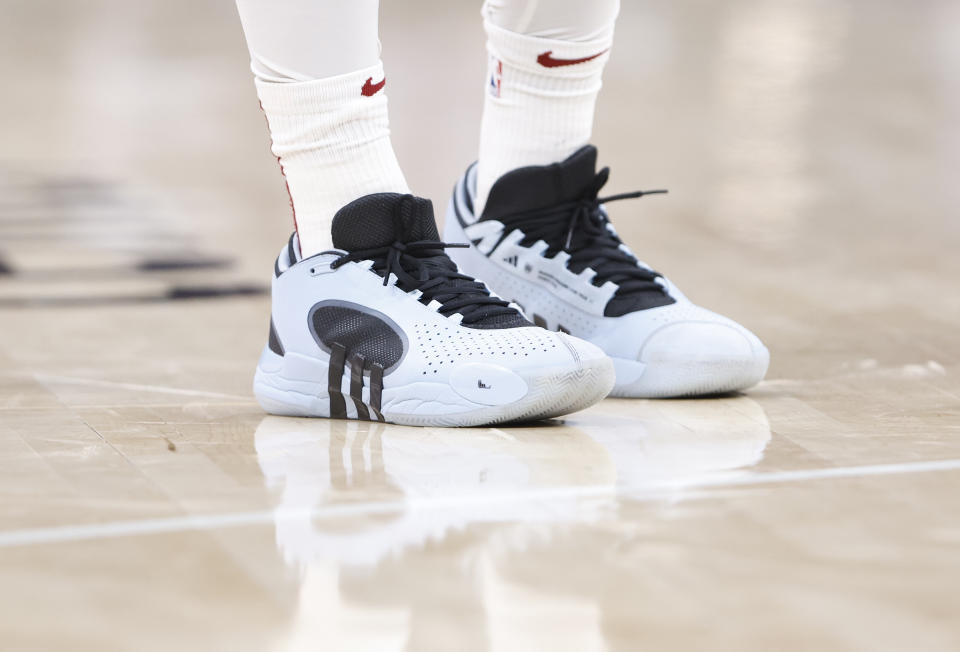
column 310, row 97
column 548, row 57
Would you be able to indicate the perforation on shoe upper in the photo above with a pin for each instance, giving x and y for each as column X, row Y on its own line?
column 446, row 344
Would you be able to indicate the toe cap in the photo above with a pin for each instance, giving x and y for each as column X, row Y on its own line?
column 705, row 341
column 592, row 364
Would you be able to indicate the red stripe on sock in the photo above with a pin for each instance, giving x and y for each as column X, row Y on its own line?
column 293, row 209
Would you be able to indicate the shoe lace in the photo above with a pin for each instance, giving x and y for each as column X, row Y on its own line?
column 422, row 265
column 581, row 228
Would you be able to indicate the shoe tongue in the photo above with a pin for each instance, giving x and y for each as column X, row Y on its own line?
column 539, row 186
column 381, row 219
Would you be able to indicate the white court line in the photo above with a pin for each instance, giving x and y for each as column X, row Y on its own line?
column 747, row 478
column 70, row 380
column 651, row 491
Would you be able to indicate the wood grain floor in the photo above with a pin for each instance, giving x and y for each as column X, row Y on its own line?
column 146, row 503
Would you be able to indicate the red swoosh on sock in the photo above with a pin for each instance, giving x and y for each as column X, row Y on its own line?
column 547, row 61
column 369, row 88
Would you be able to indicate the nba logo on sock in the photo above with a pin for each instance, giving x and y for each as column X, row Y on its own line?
column 496, row 71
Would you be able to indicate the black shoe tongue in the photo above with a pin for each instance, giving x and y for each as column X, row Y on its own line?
column 539, row 186
column 381, row 219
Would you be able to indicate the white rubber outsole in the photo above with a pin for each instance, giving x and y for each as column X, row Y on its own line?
column 550, row 393
column 687, row 379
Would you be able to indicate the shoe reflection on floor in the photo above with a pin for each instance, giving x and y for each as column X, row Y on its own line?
column 367, row 511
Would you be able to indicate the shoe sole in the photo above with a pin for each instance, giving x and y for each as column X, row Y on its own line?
column 550, row 393
column 686, row 379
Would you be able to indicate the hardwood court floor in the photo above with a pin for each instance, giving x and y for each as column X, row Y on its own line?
column 146, row 503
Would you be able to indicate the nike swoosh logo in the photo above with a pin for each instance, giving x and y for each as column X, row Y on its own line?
column 547, row 61
column 369, row 88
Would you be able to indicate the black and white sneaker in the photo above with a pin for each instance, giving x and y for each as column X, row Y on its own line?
column 545, row 241
column 386, row 328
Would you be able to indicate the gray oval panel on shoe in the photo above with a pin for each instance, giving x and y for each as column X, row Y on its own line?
column 361, row 330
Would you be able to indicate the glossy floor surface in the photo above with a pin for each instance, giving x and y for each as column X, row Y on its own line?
column 146, row 503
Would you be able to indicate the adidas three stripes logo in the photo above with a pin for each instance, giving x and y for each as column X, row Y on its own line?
column 358, row 364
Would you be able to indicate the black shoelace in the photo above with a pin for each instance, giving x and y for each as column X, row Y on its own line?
column 422, row 265
column 580, row 228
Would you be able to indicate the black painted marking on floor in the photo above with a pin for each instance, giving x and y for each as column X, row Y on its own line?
column 117, row 272
column 180, row 293
column 176, row 264
column 211, row 291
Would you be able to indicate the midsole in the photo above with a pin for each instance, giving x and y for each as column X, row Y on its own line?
column 628, row 371
column 273, row 377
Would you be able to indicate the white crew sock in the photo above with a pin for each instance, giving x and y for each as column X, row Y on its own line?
column 539, row 104
column 332, row 139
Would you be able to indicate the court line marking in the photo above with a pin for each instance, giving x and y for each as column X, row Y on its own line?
column 124, row 406
column 71, row 380
column 204, row 522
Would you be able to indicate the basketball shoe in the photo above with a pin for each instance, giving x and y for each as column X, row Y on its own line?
column 385, row 328
column 545, row 241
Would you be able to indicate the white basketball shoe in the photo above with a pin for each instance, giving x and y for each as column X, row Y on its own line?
column 385, row 328
column 545, row 241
